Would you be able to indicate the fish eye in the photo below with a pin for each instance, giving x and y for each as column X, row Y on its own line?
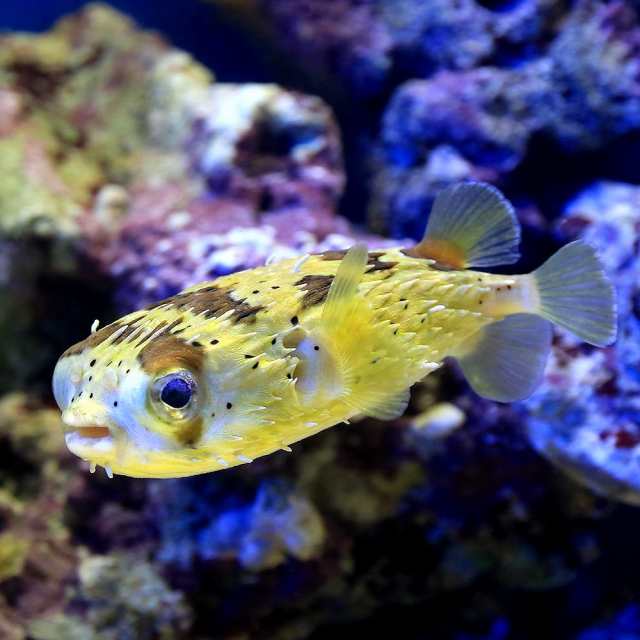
column 173, row 395
column 176, row 393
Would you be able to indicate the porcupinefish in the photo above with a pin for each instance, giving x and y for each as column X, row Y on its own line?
column 251, row 362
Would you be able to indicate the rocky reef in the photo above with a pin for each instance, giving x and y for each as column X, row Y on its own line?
column 586, row 416
column 128, row 172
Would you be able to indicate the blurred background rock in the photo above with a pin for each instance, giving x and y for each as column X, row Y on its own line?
column 147, row 146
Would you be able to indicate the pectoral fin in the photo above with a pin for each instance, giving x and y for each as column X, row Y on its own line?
column 506, row 361
column 342, row 299
column 348, row 322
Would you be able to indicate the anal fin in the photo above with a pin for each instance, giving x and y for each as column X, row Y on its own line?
column 506, row 361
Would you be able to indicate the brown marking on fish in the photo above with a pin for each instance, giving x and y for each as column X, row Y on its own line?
column 377, row 264
column 212, row 302
column 159, row 329
column 93, row 340
column 124, row 336
column 191, row 433
column 333, row 255
column 316, row 289
column 167, row 351
column 373, row 260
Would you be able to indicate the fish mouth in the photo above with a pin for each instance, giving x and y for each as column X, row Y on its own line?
column 94, row 431
column 97, row 437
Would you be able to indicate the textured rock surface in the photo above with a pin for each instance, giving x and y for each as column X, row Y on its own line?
column 586, row 417
column 124, row 168
column 438, row 91
column 96, row 102
column 369, row 46
column 582, row 93
column 37, row 557
column 128, row 173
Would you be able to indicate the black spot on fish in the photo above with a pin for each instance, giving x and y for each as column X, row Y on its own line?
column 229, row 405
column 214, row 341
column 92, row 363
column 294, row 320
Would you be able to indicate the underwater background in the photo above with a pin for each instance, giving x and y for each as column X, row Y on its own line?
column 146, row 146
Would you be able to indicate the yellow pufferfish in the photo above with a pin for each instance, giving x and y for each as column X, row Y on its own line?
column 249, row 363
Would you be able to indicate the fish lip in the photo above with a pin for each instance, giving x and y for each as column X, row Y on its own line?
column 91, row 436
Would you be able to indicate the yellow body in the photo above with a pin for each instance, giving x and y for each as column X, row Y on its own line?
column 409, row 316
column 237, row 368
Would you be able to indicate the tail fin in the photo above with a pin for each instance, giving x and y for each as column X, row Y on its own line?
column 575, row 293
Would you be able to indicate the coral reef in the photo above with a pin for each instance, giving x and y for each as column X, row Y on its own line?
column 129, row 172
column 37, row 558
column 468, row 89
column 95, row 103
column 260, row 533
column 123, row 598
column 124, row 169
column 586, row 417
column 369, row 46
column 581, row 94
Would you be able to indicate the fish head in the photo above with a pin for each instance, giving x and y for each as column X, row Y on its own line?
column 168, row 407
column 118, row 414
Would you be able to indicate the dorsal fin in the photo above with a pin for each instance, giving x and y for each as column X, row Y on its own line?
column 471, row 225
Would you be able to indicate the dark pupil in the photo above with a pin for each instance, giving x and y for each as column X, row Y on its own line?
column 176, row 393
